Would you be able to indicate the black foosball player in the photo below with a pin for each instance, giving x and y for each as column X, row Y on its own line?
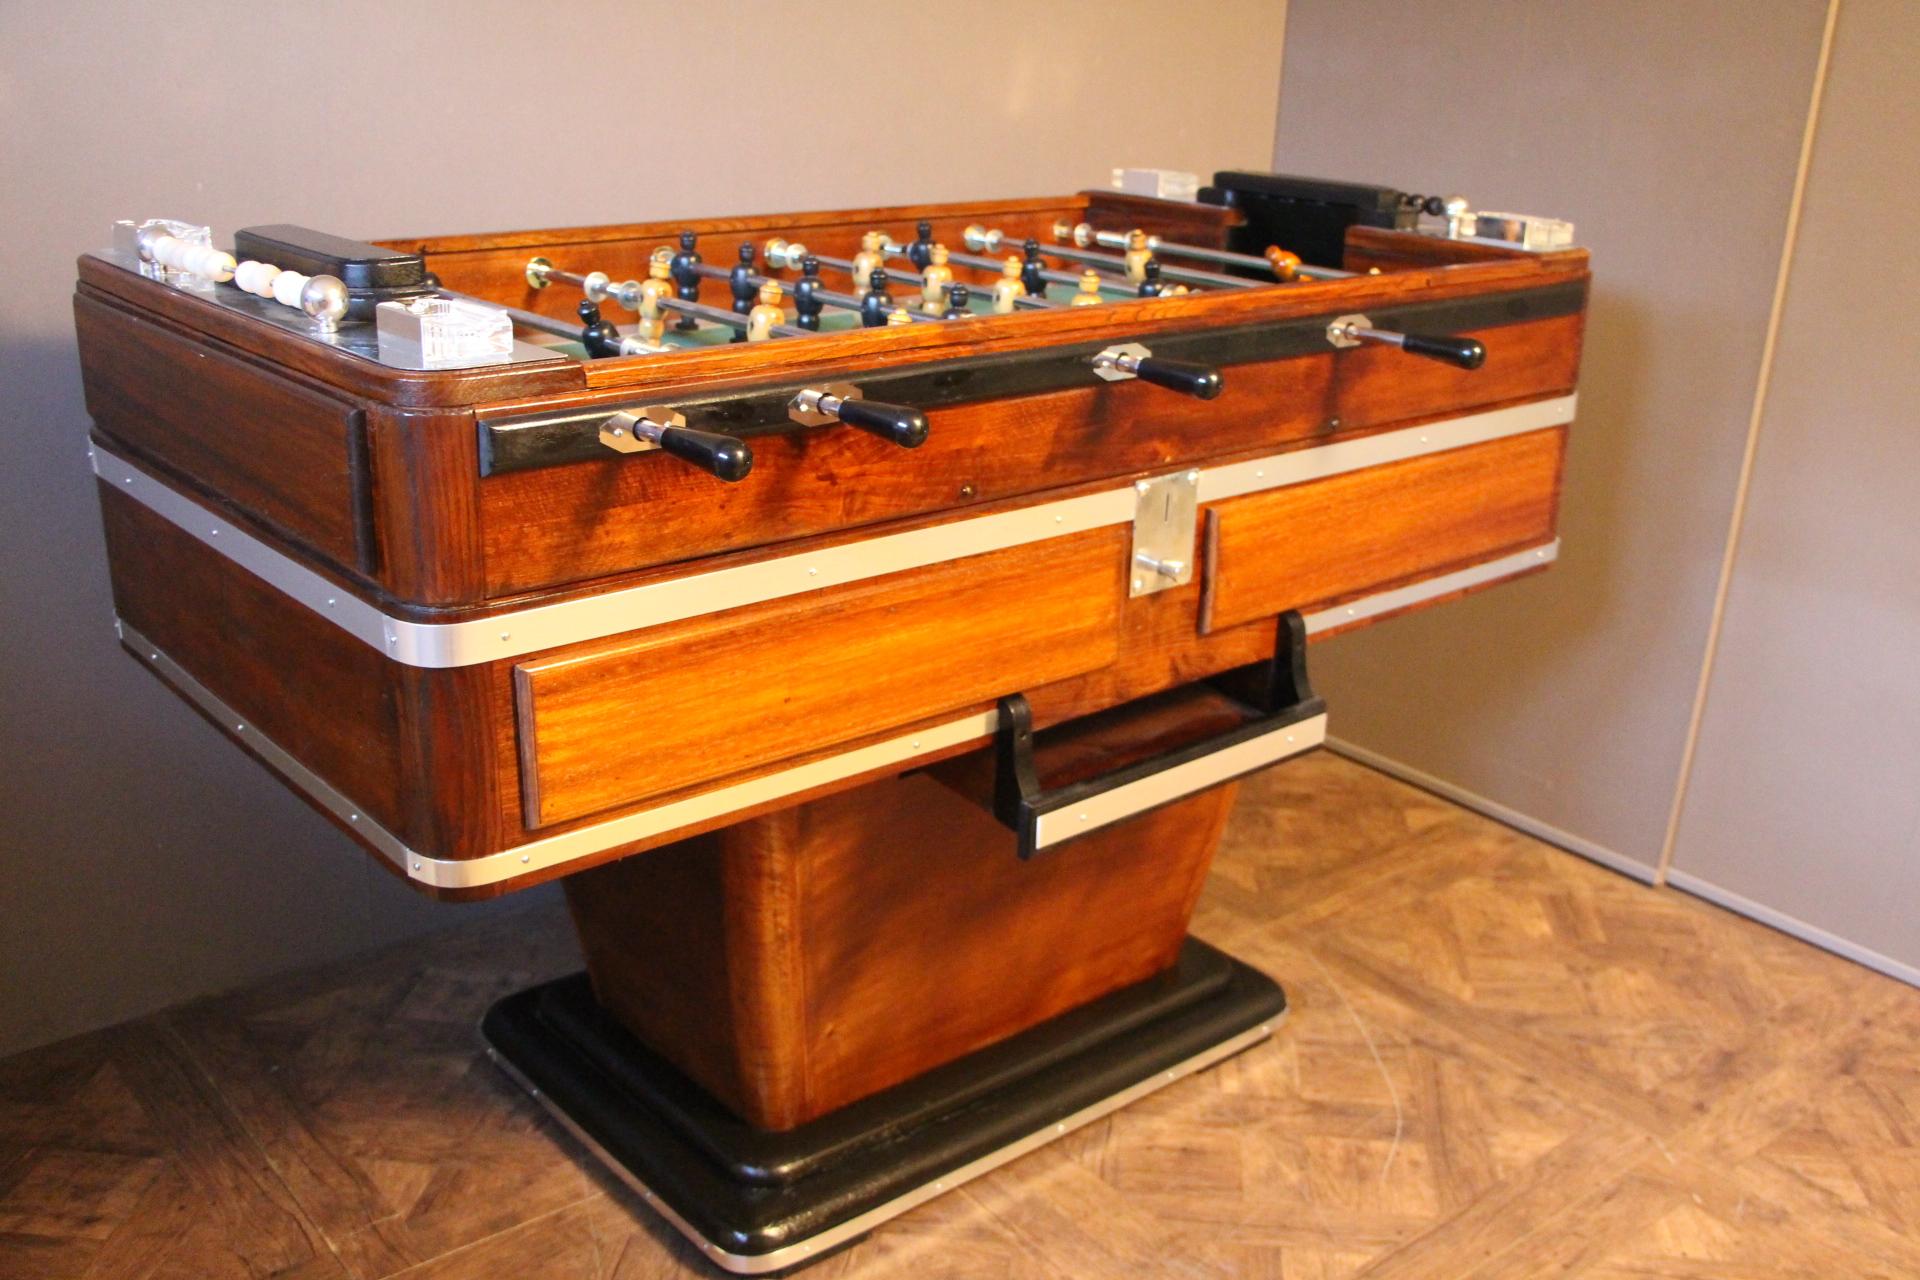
column 957, row 299
column 744, row 288
column 805, row 302
column 877, row 303
column 599, row 337
column 1150, row 282
column 686, row 277
column 920, row 252
column 740, row 281
column 1030, row 273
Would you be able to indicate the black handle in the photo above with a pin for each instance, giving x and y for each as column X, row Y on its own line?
column 715, row 454
column 1200, row 381
column 1462, row 353
column 895, row 423
column 1277, row 689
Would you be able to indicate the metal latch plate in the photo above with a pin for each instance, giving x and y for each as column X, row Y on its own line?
column 1163, row 522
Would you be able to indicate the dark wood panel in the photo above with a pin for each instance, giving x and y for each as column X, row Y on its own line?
column 679, row 704
column 1308, row 545
column 264, row 442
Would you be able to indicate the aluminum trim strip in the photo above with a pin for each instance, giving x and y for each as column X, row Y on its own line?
column 749, row 1264
column 1280, row 470
column 272, row 566
column 524, row 631
column 1401, row 597
column 1181, row 780
column 569, row 846
column 557, row 850
column 302, row 778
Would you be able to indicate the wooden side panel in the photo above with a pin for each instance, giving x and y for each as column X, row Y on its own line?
column 1311, row 544
column 263, row 442
column 325, row 697
column 562, row 524
column 680, row 704
column 1375, row 385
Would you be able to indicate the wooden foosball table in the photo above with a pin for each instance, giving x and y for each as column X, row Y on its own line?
column 868, row 625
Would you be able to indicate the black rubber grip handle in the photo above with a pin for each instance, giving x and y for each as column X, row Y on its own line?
column 1463, row 353
column 1197, row 380
column 896, row 423
column 717, row 455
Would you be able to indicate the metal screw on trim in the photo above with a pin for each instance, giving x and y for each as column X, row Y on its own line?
column 1333, row 424
column 813, row 573
column 1137, row 584
column 1140, row 486
column 526, row 858
column 353, row 817
column 1193, row 477
column 505, row 634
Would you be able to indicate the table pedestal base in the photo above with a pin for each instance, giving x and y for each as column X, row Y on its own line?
column 756, row 1201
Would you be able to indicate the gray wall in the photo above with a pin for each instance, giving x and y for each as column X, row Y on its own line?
column 144, row 860
column 1805, row 790
column 1669, row 133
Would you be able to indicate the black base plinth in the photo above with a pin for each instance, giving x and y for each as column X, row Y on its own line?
column 756, row 1202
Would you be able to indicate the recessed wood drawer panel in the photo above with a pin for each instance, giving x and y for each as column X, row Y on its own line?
column 1373, row 385
column 264, row 442
column 1309, row 544
column 682, row 704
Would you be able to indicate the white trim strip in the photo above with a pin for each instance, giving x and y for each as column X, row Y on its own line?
column 1687, row 882
column 1302, row 465
column 1181, row 780
column 748, row 1264
column 524, row 631
column 1459, row 580
column 569, row 846
column 582, row 842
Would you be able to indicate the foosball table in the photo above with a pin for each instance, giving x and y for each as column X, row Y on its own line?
column 865, row 614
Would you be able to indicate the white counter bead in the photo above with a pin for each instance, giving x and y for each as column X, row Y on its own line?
column 287, row 286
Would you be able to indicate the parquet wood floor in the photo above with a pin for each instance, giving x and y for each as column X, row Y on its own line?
column 1502, row 1062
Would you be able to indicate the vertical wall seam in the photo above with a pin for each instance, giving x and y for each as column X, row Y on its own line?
column 1762, row 380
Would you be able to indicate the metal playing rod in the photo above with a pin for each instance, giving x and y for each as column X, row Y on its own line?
column 1084, row 234
column 697, row 310
column 896, row 250
column 525, row 319
column 981, row 239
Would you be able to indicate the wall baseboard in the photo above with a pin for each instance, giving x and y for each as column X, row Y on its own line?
column 1608, row 858
column 1638, row 870
column 1798, row 928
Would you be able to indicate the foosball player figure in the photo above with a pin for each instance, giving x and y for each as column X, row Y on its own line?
column 876, row 302
column 657, row 285
column 1030, row 270
column 599, row 336
column 1150, row 282
column 899, row 316
column 766, row 313
column 1286, row 266
column 958, row 299
column 740, row 282
column 686, row 277
column 920, row 252
column 935, row 279
column 1089, row 295
column 865, row 261
column 1138, row 255
column 805, row 291
column 1008, row 288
